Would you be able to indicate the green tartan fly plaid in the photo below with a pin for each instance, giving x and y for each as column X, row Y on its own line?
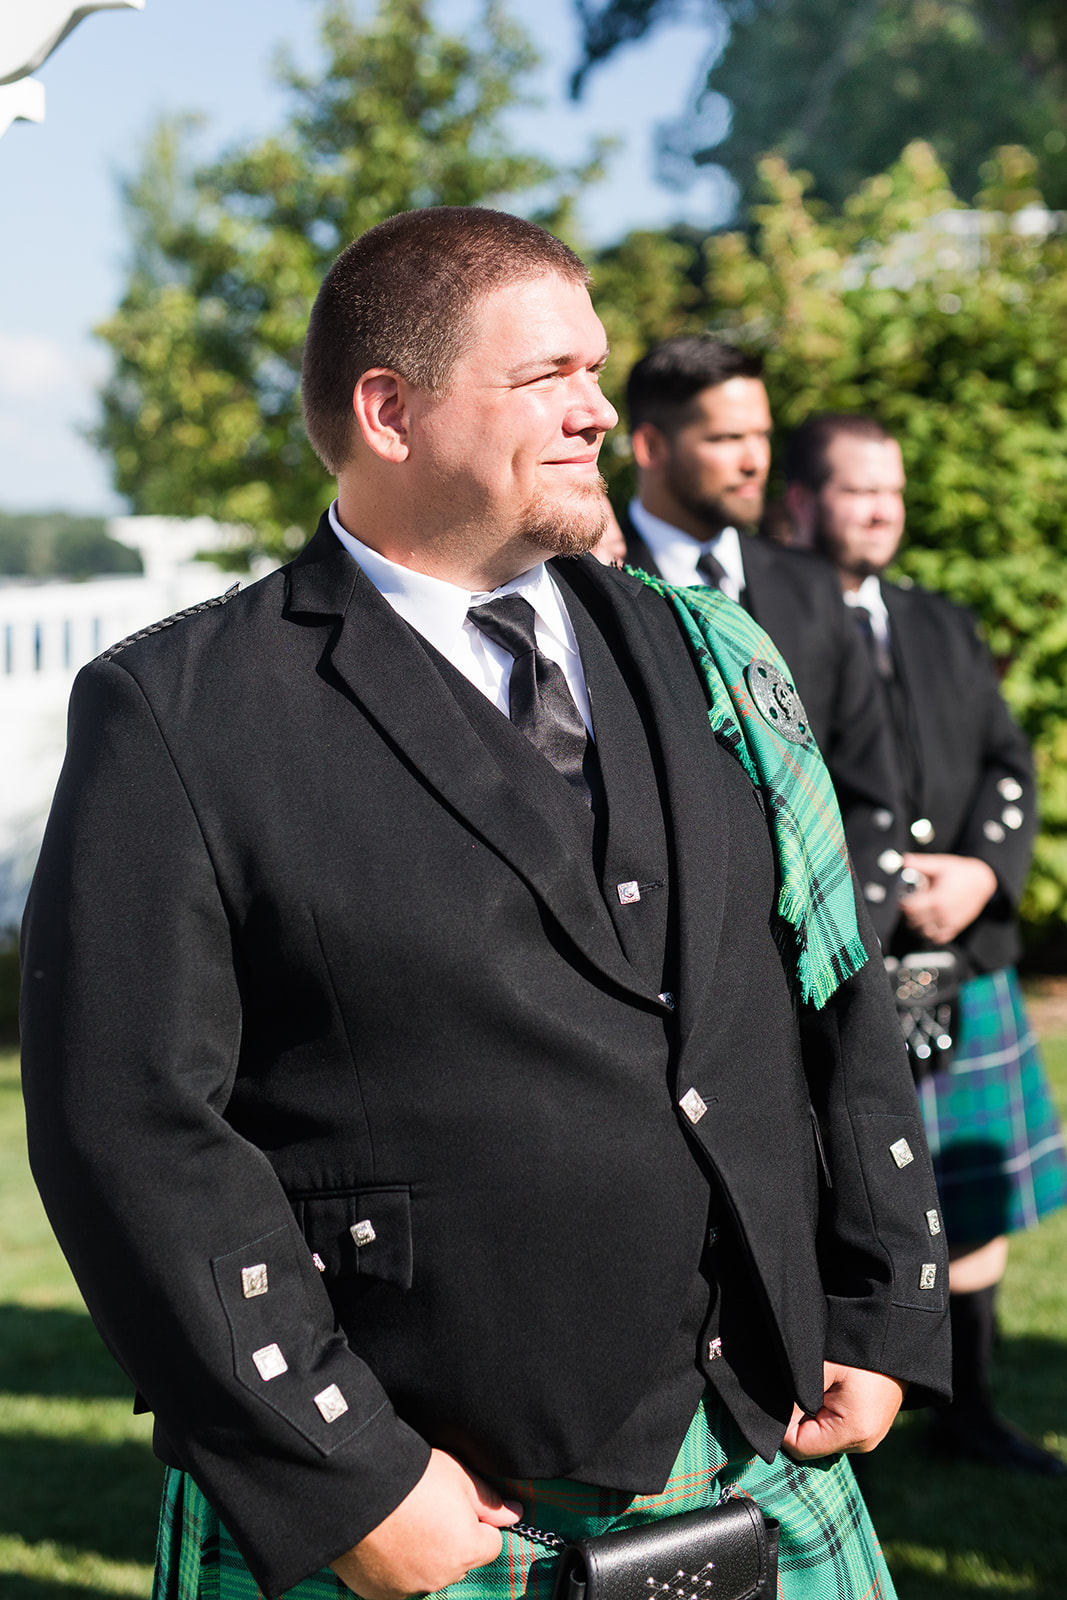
column 828, row 1549
column 816, row 899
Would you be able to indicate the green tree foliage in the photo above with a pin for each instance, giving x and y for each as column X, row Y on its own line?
column 950, row 325
column 201, row 414
column 55, row 545
column 840, row 86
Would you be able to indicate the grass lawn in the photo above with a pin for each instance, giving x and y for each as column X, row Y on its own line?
column 79, row 1487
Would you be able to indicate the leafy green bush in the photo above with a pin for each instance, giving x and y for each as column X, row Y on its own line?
column 950, row 326
column 55, row 545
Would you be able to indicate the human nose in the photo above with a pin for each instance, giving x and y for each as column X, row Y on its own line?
column 592, row 411
column 755, row 456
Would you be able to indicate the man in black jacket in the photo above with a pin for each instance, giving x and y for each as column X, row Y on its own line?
column 700, row 424
column 407, row 1012
column 967, row 793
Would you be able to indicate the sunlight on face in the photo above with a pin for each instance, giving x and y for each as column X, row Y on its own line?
column 515, row 440
column 861, row 506
column 718, row 460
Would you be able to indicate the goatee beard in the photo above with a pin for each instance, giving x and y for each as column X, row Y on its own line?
column 568, row 530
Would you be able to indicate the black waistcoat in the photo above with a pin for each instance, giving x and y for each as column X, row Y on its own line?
column 622, row 843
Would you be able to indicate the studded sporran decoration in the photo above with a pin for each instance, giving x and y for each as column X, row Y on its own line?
column 723, row 1552
column 926, row 986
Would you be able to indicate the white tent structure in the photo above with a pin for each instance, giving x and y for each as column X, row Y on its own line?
column 29, row 31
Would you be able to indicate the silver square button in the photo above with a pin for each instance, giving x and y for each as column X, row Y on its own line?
column 693, row 1105
column 901, row 1153
column 933, row 1222
column 270, row 1363
column 714, row 1349
column 363, row 1233
column 254, row 1280
column 629, row 893
column 331, row 1403
column 928, row 1275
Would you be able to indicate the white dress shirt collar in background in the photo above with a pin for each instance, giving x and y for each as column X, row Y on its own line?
column 438, row 611
column 869, row 597
column 677, row 554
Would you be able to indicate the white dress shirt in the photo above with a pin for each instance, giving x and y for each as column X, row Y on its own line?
column 677, row 553
column 438, row 611
column 869, row 597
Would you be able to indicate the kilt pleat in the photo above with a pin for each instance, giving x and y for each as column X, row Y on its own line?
column 996, row 1141
column 828, row 1548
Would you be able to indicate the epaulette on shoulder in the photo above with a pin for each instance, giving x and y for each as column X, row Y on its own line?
column 168, row 622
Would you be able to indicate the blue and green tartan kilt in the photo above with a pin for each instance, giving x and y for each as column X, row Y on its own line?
column 994, row 1136
column 828, row 1549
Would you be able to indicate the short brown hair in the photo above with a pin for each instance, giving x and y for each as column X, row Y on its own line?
column 402, row 296
column 664, row 382
column 806, row 460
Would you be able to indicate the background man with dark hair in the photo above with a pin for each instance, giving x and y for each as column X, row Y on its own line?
column 700, row 422
column 967, row 794
column 411, row 1002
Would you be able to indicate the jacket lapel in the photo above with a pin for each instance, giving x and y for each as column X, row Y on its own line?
column 637, row 552
column 665, row 678
column 386, row 670
column 769, row 597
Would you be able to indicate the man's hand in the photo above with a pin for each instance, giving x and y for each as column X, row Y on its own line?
column 448, row 1524
column 856, row 1414
column 957, row 889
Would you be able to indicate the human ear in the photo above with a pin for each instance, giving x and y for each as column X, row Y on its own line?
column 800, row 503
column 650, row 446
column 381, row 402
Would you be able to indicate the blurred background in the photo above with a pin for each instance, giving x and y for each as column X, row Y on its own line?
column 872, row 193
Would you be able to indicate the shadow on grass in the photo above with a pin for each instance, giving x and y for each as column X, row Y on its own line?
column 100, row 1497
column 15, row 1586
column 977, row 1523
column 56, row 1352
column 88, row 1494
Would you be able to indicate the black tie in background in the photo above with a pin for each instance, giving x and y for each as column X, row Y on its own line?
column 540, row 703
column 711, row 570
column 878, row 653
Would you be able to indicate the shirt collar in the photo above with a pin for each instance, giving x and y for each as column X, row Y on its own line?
column 677, row 553
column 438, row 610
column 868, row 595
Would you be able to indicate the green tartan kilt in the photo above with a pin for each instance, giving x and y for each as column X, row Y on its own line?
column 828, row 1548
column 994, row 1136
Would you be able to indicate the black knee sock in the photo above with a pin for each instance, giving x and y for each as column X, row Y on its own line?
column 973, row 1329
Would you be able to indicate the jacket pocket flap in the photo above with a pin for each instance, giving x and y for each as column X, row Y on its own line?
column 365, row 1232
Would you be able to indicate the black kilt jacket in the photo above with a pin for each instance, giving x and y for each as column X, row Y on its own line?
column 306, row 949
column 796, row 598
column 964, row 763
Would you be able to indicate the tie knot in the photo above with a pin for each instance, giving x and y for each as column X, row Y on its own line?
column 509, row 622
column 711, row 570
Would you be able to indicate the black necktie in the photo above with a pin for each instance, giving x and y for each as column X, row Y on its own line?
column 879, row 654
column 540, row 703
column 711, row 570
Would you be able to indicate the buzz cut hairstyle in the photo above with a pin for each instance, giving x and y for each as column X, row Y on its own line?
column 806, row 457
column 404, row 296
column 664, row 383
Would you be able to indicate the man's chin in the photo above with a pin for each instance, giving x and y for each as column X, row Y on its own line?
column 571, row 526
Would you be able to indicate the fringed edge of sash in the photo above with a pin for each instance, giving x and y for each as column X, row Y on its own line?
column 816, row 980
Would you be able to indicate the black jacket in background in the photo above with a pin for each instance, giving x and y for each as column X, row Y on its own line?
column 796, row 598
column 964, row 763
column 310, row 946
